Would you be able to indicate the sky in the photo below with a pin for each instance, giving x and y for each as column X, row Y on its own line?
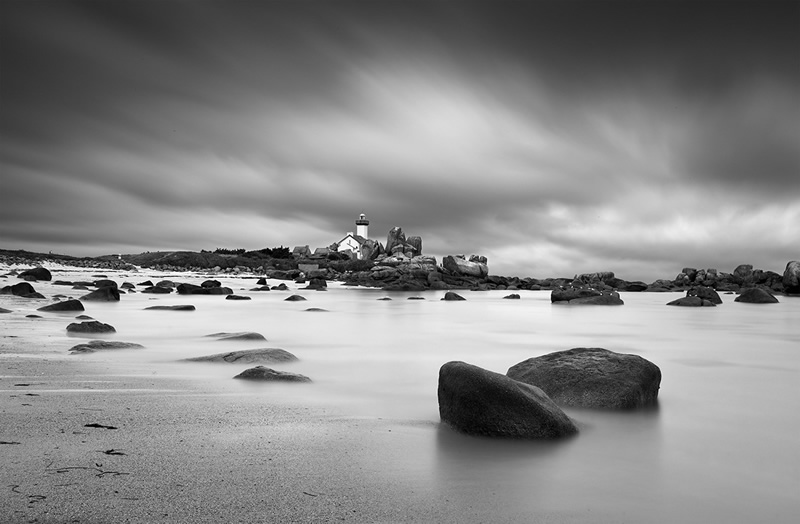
column 554, row 138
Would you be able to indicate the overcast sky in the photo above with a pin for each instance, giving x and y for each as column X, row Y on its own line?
column 552, row 137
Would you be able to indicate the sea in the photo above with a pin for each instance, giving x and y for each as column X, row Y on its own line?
column 723, row 444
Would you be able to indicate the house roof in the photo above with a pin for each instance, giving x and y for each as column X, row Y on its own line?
column 358, row 238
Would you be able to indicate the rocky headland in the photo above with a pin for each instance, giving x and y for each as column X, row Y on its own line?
column 403, row 268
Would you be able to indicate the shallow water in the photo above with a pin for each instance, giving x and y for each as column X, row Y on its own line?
column 721, row 446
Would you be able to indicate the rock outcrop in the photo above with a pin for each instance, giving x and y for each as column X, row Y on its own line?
column 592, row 378
column 791, row 278
column 19, row 289
column 585, row 296
column 480, row 402
column 475, row 267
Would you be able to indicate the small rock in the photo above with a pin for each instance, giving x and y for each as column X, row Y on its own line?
column 450, row 295
column 237, row 297
column 180, row 307
column 91, row 326
column 102, row 345
column 512, row 296
column 38, row 273
column 294, row 298
column 691, row 302
column 243, row 335
column 103, row 294
column 248, row 356
column 268, row 374
column 66, row 305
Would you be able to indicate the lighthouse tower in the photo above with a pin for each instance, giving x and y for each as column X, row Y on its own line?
column 361, row 226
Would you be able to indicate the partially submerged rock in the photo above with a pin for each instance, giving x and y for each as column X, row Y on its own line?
column 179, row 307
column 66, row 305
column 480, row 402
column 90, row 326
column 242, row 335
column 102, row 345
column 4, row 310
column 592, row 378
column 37, row 273
column 103, row 294
column 450, row 295
column 237, row 297
column 756, row 295
column 512, row 296
column 585, row 296
column 294, row 298
column 20, row 289
column 270, row 375
column 248, row 356
column 691, row 302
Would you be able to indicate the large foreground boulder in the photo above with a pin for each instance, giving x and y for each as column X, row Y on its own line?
column 248, row 356
column 37, row 273
column 791, row 278
column 66, row 305
column 592, row 378
column 270, row 375
column 480, row 402
column 756, row 295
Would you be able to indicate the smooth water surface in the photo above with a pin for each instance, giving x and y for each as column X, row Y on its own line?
column 722, row 446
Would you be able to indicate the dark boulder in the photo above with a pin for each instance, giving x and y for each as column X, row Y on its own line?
column 592, row 378
column 261, row 282
column 66, row 305
column 480, row 402
column 756, row 295
column 157, row 290
column 179, row 307
column 512, row 296
column 450, row 295
column 237, row 297
column 219, row 290
column 127, row 285
column 706, row 293
column 262, row 373
column 166, row 283
column 211, row 283
column 103, row 294
column 791, row 278
column 146, row 283
column 102, row 345
column 103, row 283
column 585, row 296
column 37, row 273
column 248, row 356
column 191, row 289
column 691, row 302
column 91, row 326
column 294, row 298
column 4, row 310
column 20, row 289
column 319, row 284
column 243, row 335
column 33, row 295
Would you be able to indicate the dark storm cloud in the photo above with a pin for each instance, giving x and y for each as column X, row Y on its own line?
column 547, row 135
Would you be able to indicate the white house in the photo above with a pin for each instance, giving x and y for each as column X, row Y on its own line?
column 355, row 241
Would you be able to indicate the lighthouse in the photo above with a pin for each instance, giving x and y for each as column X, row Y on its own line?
column 361, row 226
